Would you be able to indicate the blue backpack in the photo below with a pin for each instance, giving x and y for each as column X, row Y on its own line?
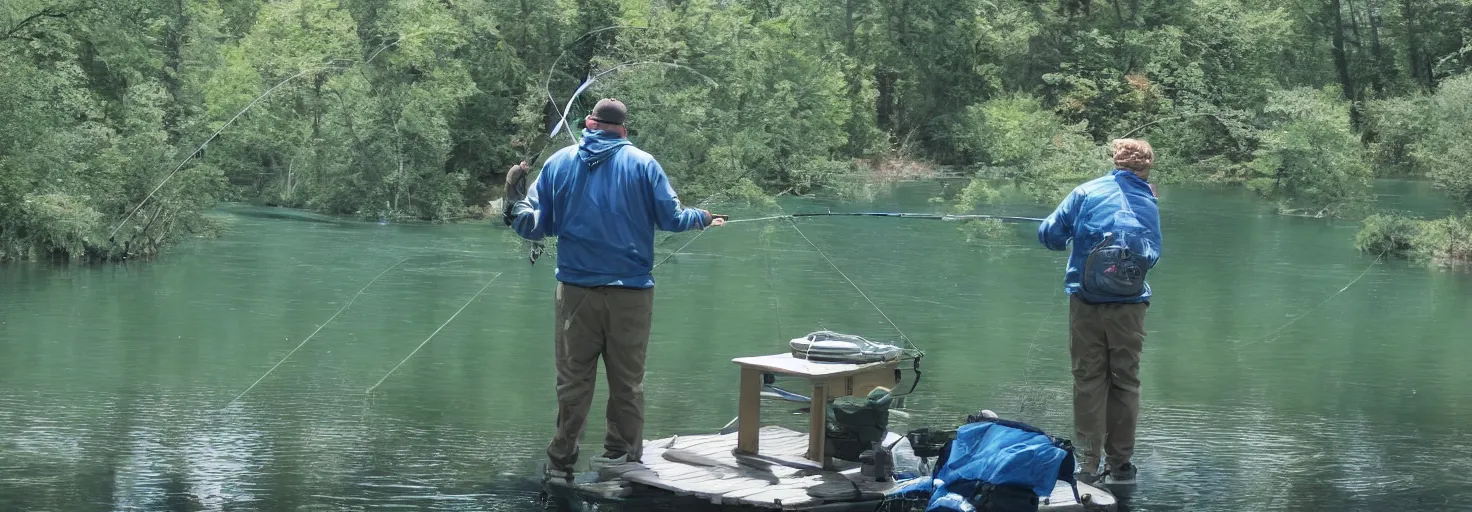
column 1116, row 266
column 996, row 465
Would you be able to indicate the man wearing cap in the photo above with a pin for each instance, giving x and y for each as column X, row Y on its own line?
column 1114, row 226
column 603, row 199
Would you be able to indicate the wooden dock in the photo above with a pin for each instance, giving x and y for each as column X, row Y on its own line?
column 704, row 467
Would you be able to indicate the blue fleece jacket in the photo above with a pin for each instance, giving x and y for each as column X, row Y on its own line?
column 603, row 200
column 1093, row 209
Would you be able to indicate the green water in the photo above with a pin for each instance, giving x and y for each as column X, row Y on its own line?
column 114, row 381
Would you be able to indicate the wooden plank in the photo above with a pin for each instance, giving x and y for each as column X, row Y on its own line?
column 719, row 478
column 818, row 419
column 787, row 365
column 863, row 383
column 693, row 442
column 802, row 464
column 784, row 498
column 750, row 411
column 780, row 446
column 775, row 439
column 1061, row 499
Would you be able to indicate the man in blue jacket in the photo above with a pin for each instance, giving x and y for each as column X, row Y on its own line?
column 1114, row 226
column 603, row 199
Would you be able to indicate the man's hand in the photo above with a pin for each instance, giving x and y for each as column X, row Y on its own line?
column 715, row 220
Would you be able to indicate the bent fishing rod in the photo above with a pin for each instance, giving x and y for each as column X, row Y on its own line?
column 538, row 247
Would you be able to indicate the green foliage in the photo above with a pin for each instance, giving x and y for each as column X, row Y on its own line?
column 1015, row 138
column 1398, row 125
column 93, row 97
column 1445, row 148
column 1444, row 242
column 984, row 230
column 413, row 110
column 1311, row 158
column 1387, row 234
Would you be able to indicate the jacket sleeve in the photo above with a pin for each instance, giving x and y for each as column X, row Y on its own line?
column 532, row 221
column 668, row 214
column 1057, row 229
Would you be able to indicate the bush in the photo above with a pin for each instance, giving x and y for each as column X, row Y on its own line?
column 1444, row 242
column 1387, row 234
column 52, row 224
column 1447, row 145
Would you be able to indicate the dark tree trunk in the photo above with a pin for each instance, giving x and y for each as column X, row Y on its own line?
column 1341, row 63
column 1420, row 69
column 1384, row 68
column 172, row 78
column 885, row 104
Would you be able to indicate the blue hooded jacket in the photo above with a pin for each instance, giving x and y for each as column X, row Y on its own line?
column 603, row 200
column 1100, row 206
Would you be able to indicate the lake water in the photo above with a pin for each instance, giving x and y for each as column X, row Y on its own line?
column 1267, row 385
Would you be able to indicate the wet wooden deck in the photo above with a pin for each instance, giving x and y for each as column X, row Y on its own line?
column 704, row 467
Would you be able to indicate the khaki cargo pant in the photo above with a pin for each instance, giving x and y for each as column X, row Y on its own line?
column 613, row 323
column 1105, row 341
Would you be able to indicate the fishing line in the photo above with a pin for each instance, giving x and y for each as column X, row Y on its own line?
column 547, row 85
column 432, row 335
column 319, row 329
column 776, row 298
column 198, row 149
column 858, row 214
column 1273, row 336
column 337, row 64
column 1032, row 349
column 594, row 78
column 677, row 251
column 856, row 286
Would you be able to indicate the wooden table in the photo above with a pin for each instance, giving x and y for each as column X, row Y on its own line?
column 829, row 380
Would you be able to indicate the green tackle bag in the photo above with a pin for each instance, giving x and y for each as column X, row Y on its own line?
column 855, row 424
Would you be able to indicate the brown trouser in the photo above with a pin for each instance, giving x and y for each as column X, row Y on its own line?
column 1105, row 341
column 613, row 323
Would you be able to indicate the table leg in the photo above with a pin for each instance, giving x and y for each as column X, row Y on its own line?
column 817, row 433
column 748, row 424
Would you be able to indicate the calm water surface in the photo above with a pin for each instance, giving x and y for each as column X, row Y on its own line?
column 1263, row 388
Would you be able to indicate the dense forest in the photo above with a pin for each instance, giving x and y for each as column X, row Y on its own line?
column 121, row 121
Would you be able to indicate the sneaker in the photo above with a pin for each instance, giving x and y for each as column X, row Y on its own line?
column 1124, row 474
column 1085, row 477
column 611, row 459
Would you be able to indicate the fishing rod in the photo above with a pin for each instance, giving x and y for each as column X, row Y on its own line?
column 897, row 215
column 538, row 247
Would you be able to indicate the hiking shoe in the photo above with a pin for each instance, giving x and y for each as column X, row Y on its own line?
column 1124, row 474
column 1085, row 477
column 612, row 465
